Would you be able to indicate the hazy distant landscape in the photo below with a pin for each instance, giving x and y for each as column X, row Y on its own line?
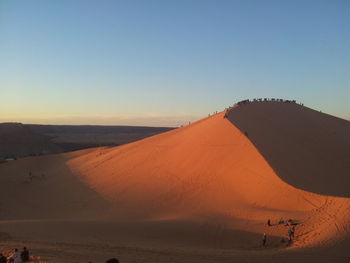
column 20, row 140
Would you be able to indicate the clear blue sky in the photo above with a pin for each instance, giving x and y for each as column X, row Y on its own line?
column 167, row 62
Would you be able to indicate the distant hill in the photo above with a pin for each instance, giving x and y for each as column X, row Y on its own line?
column 19, row 140
column 76, row 137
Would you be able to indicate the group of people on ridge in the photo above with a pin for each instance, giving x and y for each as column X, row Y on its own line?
column 291, row 230
column 23, row 256
column 16, row 256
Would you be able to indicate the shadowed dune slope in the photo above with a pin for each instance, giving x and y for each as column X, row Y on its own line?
column 37, row 188
column 307, row 149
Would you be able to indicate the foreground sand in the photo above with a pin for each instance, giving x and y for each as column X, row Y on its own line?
column 201, row 193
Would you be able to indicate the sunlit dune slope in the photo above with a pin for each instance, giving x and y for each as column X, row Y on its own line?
column 307, row 149
column 206, row 167
column 208, row 171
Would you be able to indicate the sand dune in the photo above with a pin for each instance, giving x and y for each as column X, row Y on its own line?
column 203, row 189
column 207, row 171
column 307, row 149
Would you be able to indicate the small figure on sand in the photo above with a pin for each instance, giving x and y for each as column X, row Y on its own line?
column 269, row 222
column 292, row 230
column 226, row 114
column 290, row 236
column 30, row 176
column 25, row 255
column 288, row 222
column 264, row 240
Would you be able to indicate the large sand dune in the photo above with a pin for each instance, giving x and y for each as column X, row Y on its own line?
column 308, row 149
column 200, row 193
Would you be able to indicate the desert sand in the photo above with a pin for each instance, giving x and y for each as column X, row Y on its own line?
column 199, row 193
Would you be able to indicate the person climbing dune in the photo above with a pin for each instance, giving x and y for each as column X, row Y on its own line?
column 292, row 230
column 269, row 222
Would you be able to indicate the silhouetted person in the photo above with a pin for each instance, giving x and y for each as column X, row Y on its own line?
column 112, row 260
column 290, row 234
column 269, row 222
column 30, row 176
column 226, row 114
column 292, row 230
column 3, row 259
column 264, row 240
column 25, row 255
column 15, row 257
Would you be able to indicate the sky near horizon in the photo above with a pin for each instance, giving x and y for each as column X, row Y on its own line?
column 164, row 63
